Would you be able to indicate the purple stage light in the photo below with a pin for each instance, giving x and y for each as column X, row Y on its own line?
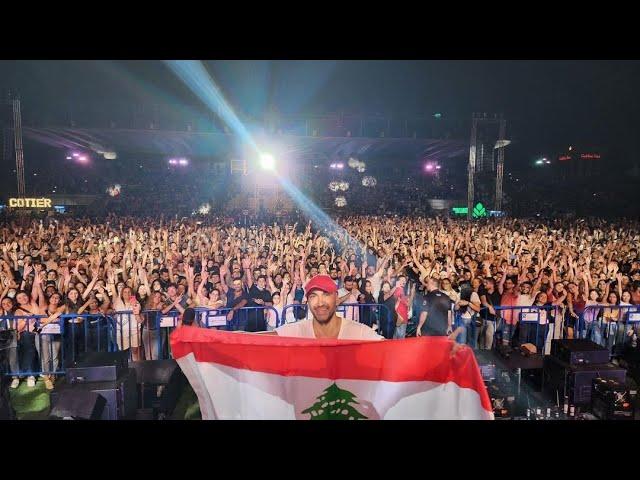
column 82, row 158
column 183, row 161
column 428, row 167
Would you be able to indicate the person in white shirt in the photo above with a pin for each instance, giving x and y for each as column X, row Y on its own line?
column 322, row 298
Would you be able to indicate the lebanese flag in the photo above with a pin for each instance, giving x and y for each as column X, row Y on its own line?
column 245, row 376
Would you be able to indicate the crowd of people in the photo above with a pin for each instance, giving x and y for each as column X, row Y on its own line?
column 151, row 267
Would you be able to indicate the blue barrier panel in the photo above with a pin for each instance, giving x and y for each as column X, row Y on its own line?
column 83, row 333
column 615, row 327
column 37, row 347
column 535, row 324
column 250, row 319
column 20, row 344
column 146, row 334
column 539, row 325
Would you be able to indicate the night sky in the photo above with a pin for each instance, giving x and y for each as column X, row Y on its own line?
column 548, row 104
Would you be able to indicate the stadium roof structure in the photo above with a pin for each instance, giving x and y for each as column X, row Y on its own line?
column 217, row 144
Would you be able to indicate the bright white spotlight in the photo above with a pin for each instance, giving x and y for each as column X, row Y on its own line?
column 267, row 161
column 183, row 161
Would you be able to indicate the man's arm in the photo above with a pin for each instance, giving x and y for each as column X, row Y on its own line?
column 421, row 322
column 342, row 299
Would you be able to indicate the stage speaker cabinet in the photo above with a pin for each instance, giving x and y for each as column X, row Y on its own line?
column 575, row 381
column 161, row 383
column 75, row 404
column 611, row 401
column 579, row 351
column 98, row 367
column 121, row 395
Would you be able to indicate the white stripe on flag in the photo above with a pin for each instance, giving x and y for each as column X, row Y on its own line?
column 232, row 393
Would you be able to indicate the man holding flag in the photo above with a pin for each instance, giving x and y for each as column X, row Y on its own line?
column 333, row 370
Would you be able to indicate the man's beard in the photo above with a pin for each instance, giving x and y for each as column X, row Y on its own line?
column 329, row 315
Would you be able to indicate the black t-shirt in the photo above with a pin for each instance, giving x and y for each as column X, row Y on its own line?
column 256, row 294
column 493, row 299
column 438, row 305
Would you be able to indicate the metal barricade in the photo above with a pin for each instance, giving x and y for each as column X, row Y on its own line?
column 535, row 324
column 615, row 327
column 250, row 319
column 84, row 333
column 20, row 336
column 145, row 336
column 368, row 313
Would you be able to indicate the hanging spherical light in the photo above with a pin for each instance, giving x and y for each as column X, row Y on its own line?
column 344, row 186
column 369, row 181
column 334, row 186
column 114, row 190
column 204, row 209
column 353, row 162
column 341, row 202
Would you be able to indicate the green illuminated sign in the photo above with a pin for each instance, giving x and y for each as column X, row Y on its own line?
column 478, row 210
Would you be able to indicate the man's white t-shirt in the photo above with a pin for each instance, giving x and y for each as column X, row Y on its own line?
column 349, row 330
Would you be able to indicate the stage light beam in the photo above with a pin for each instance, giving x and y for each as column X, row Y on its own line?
column 267, row 161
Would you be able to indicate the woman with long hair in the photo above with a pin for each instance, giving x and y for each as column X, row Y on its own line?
column 27, row 352
column 7, row 307
column 73, row 337
column 128, row 326
column 610, row 319
column 386, row 298
column 49, row 339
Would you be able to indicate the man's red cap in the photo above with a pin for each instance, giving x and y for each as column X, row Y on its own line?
column 321, row 282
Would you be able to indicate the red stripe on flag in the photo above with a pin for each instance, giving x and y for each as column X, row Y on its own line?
column 412, row 359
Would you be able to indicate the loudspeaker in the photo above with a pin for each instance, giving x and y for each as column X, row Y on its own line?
column 121, row 396
column 161, row 383
column 98, row 367
column 78, row 405
column 575, row 381
column 579, row 351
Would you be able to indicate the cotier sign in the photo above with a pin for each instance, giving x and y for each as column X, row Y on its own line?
column 30, row 203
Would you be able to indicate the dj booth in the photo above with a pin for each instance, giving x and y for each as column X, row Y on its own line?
column 576, row 381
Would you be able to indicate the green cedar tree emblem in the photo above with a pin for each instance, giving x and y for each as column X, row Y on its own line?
column 479, row 211
column 334, row 404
